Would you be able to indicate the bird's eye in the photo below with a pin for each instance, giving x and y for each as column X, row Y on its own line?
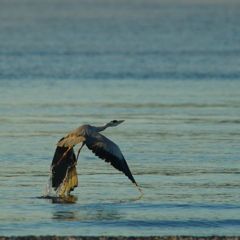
column 114, row 121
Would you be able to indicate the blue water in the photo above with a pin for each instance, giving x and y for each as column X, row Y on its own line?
column 170, row 69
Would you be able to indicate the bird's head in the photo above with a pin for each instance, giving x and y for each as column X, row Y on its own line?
column 114, row 123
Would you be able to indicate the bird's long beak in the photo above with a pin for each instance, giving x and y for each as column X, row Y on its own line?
column 121, row 121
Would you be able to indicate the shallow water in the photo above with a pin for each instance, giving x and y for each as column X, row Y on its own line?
column 180, row 104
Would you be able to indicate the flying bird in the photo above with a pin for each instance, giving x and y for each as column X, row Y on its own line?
column 64, row 160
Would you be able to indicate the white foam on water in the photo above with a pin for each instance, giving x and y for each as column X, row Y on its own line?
column 46, row 192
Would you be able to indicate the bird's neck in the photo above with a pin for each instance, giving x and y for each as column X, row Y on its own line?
column 102, row 128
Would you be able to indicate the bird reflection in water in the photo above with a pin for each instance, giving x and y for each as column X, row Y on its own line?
column 67, row 214
column 65, row 199
column 91, row 212
column 85, row 212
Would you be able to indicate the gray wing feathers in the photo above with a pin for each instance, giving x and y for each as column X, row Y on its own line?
column 70, row 141
column 100, row 141
column 110, row 152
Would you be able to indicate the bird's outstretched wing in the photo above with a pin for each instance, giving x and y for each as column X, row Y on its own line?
column 110, row 152
column 64, row 170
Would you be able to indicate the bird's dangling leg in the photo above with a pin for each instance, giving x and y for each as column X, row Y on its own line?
column 62, row 156
column 79, row 150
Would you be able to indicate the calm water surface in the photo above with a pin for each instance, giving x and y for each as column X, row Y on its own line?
column 182, row 146
column 171, row 70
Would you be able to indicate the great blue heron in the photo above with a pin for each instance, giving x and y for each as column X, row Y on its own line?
column 64, row 160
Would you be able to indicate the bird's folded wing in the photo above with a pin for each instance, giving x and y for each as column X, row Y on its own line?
column 70, row 141
column 108, row 151
column 59, row 171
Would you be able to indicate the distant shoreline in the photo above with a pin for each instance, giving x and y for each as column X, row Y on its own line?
column 120, row 238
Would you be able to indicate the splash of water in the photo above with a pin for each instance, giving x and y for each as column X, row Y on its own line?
column 47, row 191
column 59, row 189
